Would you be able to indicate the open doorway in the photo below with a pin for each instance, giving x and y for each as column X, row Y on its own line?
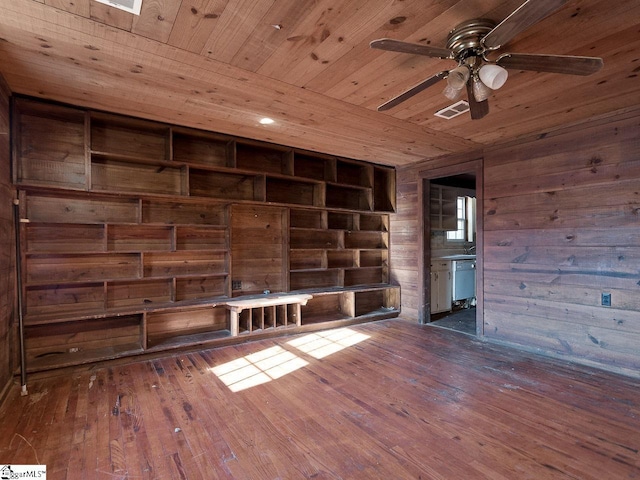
column 451, row 271
column 453, row 252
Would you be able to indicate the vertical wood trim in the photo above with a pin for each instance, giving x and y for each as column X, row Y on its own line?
column 285, row 250
column 15, row 139
column 87, row 151
column 424, row 246
column 144, row 331
column 479, row 169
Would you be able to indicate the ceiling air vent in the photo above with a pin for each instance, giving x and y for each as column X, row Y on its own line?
column 131, row 6
column 454, row 110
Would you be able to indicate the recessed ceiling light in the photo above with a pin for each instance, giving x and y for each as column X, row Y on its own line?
column 267, row 121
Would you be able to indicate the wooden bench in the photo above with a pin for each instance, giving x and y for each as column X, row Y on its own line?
column 263, row 312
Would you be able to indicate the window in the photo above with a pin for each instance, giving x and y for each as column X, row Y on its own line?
column 465, row 213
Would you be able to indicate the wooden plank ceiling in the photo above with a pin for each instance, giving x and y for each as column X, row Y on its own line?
column 223, row 64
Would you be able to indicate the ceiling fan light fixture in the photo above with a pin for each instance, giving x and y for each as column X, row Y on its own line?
column 458, row 77
column 452, row 93
column 480, row 91
column 493, row 76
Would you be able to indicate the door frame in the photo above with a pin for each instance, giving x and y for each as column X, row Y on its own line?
column 475, row 167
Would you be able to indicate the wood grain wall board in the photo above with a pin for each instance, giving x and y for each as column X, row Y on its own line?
column 258, row 248
column 614, row 319
column 533, row 268
column 592, row 345
column 564, row 293
column 8, row 357
column 584, row 237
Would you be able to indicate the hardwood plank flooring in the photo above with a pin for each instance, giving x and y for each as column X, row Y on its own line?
column 384, row 400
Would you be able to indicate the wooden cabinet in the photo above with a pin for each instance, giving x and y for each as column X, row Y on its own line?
column 441, row 286
column 443, row 207
column 136, row 234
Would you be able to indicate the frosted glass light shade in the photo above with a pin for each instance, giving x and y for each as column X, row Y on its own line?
column 452, row 93
column 458, row 77
column 493, row 76
column 480, row 91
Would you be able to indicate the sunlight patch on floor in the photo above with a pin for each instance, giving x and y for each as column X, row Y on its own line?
column 258, row 368
column 275, row 362
column 323, row 344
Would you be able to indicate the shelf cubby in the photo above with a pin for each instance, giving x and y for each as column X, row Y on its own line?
column 140, row 293
column 45, row 301
column 307, row 218
column 306, row 279
column 283, row 190
column 347, row 197
column 314, row 239
column 68, row 268
column 314, row 167
column 81, row 209
column 116, row 175
column 341, row 221
column 183, row 212
column 384, row 189
column 353, row 173
column 373, row 258
column 307, row 259
column 325, row 308
column 365, row 240
column 49, row 145
column 262, row 158
column 372, row 222
column 226, row 185
column 139, row 238
column 64, row 238
column 184, row 263
column 186, row 325
column 364, row 276
column 206, row 286
column 341, row 258
column 201, row 148
column 129, row 137
column 73, row 343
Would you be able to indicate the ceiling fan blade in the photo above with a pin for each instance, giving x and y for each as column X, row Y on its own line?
column 569, row 64
column 530, row 12
column 413, row 91
column 476, row 109
column 391, row 45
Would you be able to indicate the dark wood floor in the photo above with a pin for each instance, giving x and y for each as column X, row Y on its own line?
column 386, row 400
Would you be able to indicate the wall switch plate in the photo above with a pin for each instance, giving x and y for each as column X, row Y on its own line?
column 606, row 299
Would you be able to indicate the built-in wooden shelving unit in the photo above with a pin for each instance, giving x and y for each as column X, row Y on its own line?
column 127, row 237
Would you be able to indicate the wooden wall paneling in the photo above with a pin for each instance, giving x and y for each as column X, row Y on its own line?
column 7, row 248
column 561, row 230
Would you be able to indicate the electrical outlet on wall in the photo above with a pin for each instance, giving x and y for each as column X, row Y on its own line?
column 606, row 300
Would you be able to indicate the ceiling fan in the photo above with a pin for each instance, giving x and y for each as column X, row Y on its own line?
column 469, row 44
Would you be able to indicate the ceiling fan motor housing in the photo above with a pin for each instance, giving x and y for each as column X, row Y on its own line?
column 465, row 40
